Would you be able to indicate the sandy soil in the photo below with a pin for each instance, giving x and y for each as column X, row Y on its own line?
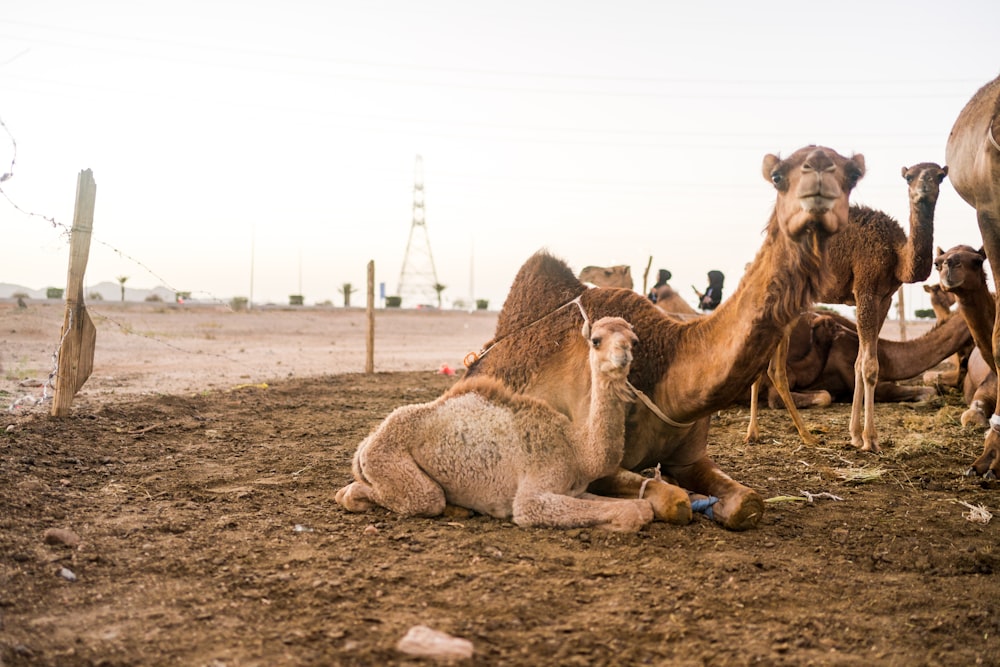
column 202, row 528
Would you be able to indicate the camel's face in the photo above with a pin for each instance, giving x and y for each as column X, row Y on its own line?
column 611, row 342
column 941, row 300
column 814, row 186
column 961, row 268
column 924, row 181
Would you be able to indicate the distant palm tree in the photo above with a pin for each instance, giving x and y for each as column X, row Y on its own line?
column 122, row 279
column 438, row 287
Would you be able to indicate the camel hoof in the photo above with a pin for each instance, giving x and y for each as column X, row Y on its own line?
column 631, row 517
column 990, row 475
column 670, row 503
column 974, row 418
column 740, row 512
column 971, row 472
column 353, row 498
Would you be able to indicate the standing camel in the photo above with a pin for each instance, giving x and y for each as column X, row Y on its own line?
column 689, row 369
column 962, row 274
column 484, row 448
column 869, row 260
column 973, row 152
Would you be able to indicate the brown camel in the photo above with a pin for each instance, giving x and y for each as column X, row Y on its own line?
column 869, row 261
column 824, row 369
column 608, row 276
column 688, row 369
column 477, row 447
column 669, row 301
column 942, row 302
column 973, row 152
column 962, row 274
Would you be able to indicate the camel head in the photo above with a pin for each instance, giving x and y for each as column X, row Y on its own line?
column 611, row 340
column 941, row 300
column 924, row 181
column 961, row 268
column 608, row 276
column 814, row 186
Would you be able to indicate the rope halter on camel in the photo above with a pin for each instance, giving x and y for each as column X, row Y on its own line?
column 473, row 357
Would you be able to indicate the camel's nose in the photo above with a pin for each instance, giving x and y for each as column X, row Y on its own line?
column 819, row 161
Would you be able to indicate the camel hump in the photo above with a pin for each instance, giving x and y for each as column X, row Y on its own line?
column 543, row 284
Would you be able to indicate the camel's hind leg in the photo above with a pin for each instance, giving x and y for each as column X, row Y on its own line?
column 553, row 510
column 394, row 482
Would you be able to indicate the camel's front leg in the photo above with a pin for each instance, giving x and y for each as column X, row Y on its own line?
column 553, row 510
column 670, row 503
column 777, row 370
column 739, row 507
column 863, row 434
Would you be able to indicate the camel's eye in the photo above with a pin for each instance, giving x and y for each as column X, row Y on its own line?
column 596, row 342
column 909, row 178
column 776, row 177
column 938, row 263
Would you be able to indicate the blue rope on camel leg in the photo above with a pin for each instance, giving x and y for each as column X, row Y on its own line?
column 704, row 506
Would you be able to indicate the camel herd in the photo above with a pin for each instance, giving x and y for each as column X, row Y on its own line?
column 551, row 428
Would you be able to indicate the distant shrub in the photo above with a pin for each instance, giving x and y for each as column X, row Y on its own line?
column 239, row 303
column 924, row 313
column 482, row 304
column 20, row 295
column 95, row 296
column 154, row 298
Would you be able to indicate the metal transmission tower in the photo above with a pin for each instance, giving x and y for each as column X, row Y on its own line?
column 418, row 276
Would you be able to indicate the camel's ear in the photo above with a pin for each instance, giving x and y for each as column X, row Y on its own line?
column 586, row 329
column 982, row 252
column 944, row 172
column 928, row 289
column 939, row 251
column 904, row 172
column 855, row 169
column 767, row 169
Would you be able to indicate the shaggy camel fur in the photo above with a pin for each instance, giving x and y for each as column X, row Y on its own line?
column 689, row 369
column 484, row 448
column 962, row 274
column 608, row 276
column 973, row 152
column 869, row 261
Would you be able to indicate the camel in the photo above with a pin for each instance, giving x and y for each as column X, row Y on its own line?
column 669, row 301
column 962, row 274
column 687, row 369
column 482, row 447
column 973, row 152
column 821, row 367
column 608, row 276
column 941, row 302
column 869, row 261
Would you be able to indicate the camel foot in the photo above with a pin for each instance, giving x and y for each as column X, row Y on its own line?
column 866, row 446
column 669, row 503
column 975, row 418
column 354, row 497
column 739, row 511
column 631, row 516
column 456, row 512
column 988, row 464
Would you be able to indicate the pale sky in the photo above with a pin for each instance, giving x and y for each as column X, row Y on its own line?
column 272, row 145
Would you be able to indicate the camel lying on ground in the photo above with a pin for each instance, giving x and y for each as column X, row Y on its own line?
column 608, row 276
column 824, row 369
column 962, row 274
column 869, row 260
column 973, row 153
column 484, row 448
column 688, row 369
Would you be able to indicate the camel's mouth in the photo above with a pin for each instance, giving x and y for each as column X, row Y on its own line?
column 816, row 203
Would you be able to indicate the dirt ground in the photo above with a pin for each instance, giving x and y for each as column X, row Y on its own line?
column 197, row 472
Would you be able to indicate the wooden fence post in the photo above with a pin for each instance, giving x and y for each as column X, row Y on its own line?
column 75, row 359
column 370, row 342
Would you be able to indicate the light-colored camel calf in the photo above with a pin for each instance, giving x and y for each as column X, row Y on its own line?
column 482, row 447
